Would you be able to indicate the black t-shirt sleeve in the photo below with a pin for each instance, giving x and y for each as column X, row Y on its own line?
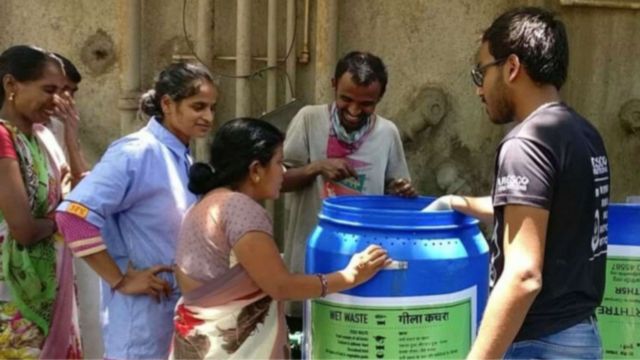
column 525, row 174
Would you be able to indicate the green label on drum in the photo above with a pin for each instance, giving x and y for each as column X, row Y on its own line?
column 619, row 314
column 421, row 327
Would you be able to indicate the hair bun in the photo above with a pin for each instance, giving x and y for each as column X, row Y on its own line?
column 149, row 104
column 201, row 176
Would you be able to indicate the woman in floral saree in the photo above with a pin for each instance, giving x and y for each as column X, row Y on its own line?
column 38, row 309
column 228, row 266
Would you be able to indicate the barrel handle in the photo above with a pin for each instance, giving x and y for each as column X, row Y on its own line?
column 397, row 265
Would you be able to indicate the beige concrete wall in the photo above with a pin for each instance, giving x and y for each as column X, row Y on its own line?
column 425, row 43
column 604, row 75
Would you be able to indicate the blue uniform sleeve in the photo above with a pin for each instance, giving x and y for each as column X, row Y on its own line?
column 110, row 187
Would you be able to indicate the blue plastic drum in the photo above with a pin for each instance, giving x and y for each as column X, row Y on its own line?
column 427, row 304
column 619, row 314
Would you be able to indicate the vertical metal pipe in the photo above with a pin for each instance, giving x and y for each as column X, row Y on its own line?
column 272, row 59
column 272, row 53
column 204, row 42
column 243, row 58
column 290, row 64
column 130, row 61
column 204, row 32
column 305, row 54
column 291, row 60
column 326, row 48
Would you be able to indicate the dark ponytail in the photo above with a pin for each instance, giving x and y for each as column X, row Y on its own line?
column 178, row 81
column 236, row 145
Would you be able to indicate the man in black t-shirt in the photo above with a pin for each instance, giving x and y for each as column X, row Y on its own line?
column 549, row 201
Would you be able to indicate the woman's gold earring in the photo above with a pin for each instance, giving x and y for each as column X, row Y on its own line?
column 12, row 96
column 257, row 179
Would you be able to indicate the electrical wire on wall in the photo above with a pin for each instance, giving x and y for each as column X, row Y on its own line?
column 252, row 75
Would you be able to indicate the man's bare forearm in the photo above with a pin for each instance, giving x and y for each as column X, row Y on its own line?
column 298, row 178
column 478, row 207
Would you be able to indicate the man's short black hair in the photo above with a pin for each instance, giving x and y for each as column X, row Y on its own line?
column 70, row 69
column 365, row 68
column 537, row 37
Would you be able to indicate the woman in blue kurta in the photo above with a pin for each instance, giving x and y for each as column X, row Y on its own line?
column 123, row 218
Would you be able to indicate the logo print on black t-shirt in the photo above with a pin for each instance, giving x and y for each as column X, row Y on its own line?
column 600, row 237
column 512, row 182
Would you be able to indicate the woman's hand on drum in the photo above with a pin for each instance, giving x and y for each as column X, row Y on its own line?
column 140, row 282
column 365, row 264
